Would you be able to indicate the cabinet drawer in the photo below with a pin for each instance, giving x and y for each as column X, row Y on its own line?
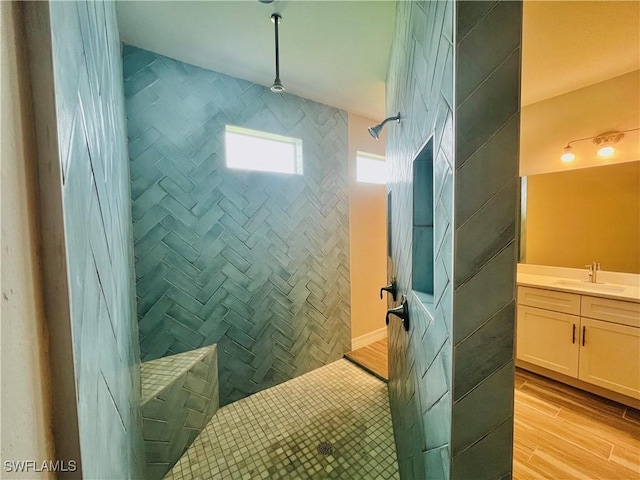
column 549, row 300
column 616, row 311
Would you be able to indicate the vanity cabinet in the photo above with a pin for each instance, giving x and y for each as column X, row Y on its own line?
column 593, row 339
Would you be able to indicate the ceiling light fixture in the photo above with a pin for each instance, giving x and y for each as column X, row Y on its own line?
column 277, row 87
column 605, row 141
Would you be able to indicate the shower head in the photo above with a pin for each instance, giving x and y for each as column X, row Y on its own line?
column 277, row 86
column 376, row 129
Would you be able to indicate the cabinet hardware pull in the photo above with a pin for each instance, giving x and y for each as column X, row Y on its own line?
column 573, row 335
column 584, row 334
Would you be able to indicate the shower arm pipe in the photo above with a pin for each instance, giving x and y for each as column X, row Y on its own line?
column 390, row 119
column 276, row 20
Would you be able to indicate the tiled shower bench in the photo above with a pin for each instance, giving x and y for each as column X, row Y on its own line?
column 179, row 397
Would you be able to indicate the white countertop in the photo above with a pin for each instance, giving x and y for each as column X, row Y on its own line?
column 623, row 287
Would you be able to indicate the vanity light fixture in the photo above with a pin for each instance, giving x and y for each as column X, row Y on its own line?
column 605, row 141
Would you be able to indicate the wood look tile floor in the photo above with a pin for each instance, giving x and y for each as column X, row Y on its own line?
column 560, row 432
column 373, row 358
column 564, row 433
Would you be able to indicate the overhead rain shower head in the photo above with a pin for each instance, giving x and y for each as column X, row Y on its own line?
column 277, row 86
column 375, row 130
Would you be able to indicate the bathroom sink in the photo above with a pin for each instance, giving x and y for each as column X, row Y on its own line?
column 596, row 287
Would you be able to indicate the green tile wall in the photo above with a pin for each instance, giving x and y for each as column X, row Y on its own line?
column 420, row 87
column 451, row 375
column 91, row 155
column 255, row 262
column 486, row 213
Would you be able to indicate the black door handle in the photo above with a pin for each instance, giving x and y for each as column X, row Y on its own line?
column 392, row 288
column 402, row 311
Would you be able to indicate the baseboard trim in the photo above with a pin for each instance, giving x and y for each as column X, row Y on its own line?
column 368, row 338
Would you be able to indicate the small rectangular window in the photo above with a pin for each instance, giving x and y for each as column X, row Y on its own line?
column 265, row 152
column 371, row 168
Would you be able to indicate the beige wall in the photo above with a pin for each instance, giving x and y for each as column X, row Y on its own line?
column 367, row 235
column 24, row 395
column 581, row 216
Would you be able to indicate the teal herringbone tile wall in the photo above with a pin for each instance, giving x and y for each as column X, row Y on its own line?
column 255, row 262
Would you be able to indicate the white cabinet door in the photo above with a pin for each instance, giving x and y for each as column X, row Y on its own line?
column 610, row 356
column 548, row 339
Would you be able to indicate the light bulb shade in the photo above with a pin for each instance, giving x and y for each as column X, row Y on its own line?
column 568, row 155
column 606, row 151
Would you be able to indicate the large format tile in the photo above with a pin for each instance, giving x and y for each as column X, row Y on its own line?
column 469, row 13
column 489, row 458
column 483, row 409
column 484, row 351
column 494, row 103
column 488, row 232
column 478, row 55
column 486, row 171
column 563, row 432
column 487, row 292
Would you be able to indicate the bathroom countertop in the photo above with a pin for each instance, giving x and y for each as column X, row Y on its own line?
column 629, row 293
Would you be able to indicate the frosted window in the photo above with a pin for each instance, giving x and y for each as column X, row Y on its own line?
column 265, row 152
column 371, row 168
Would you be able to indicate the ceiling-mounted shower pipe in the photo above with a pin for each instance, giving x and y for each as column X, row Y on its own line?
column 277, row 86
column 375, row 130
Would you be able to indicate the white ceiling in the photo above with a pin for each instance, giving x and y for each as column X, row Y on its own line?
column 337, row 52
column 333, row 52
column 570, row 45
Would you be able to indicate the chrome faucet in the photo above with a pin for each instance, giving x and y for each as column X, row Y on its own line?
column 593, row 271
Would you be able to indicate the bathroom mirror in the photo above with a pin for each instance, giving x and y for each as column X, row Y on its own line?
column 588, row 209
column 575, row 217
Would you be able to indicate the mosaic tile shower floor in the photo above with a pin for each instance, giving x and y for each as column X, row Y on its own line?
column 275, row 434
